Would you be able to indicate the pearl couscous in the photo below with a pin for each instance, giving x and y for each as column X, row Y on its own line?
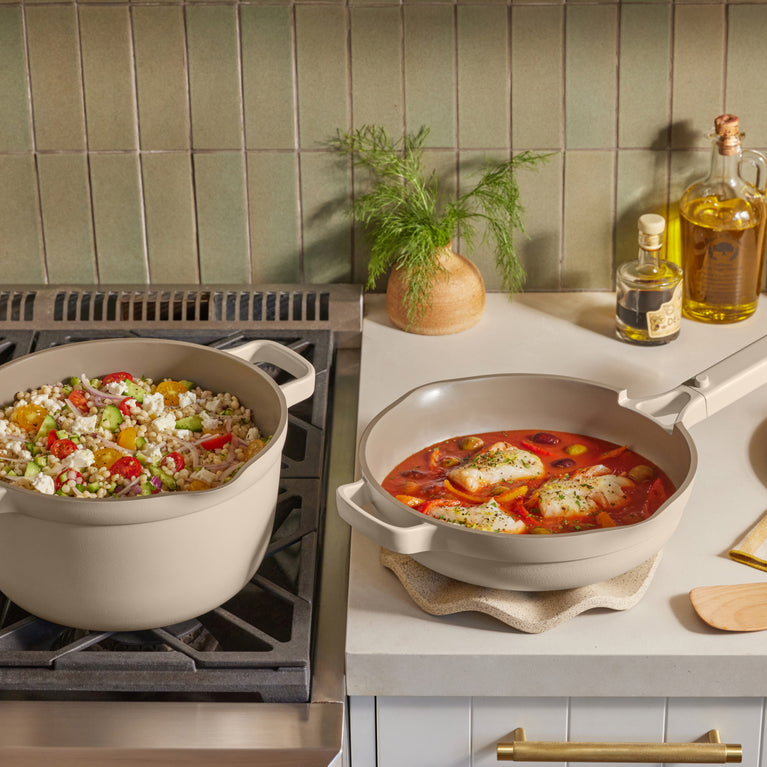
column 121, row 435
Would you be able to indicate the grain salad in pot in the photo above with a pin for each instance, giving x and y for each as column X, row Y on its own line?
column 124, row 435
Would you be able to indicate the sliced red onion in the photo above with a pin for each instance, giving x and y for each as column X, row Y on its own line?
column 236, row 465
column 156, row 482
column 98, row 394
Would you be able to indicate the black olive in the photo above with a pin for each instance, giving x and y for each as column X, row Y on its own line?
column 563, row 463
column 544, row 438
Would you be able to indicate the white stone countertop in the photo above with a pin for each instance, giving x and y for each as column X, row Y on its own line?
column 660, row 647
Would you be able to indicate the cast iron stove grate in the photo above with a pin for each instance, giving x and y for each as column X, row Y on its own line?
column 257, row 646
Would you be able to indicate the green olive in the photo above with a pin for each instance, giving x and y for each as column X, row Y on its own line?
column 540, row 531
column 449, row 461
column 641, row 472
column 576, row 449
column 471, row 443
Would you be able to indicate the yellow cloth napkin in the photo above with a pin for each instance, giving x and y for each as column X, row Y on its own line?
column 752, row 550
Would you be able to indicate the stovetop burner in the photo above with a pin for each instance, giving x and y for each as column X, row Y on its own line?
column 255, row 647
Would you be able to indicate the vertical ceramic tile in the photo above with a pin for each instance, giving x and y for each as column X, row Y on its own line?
column 483, row 76
column 170, row 217
column 222, row 219
column 267, row 74
column 65, row 201
column 698, row 89
column 642, row 188
column 747, row 73
column 590, row 79
column 540, row 247
column 430, row 85
column 589, row 210
column 161, row 77
column 323, row 79
column 537, row 82
column 214, row 77
column 644, row 84
column 326, row 234
column 118, row 218
column 376, row 58
column 20, row 247
column 110, row 99
column 471, row 165
column 56, row 79
column 273, row 210
column 15, row 127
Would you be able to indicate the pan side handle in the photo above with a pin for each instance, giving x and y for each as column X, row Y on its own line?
column 708, row 392
column 403, row 540
column 265, row 350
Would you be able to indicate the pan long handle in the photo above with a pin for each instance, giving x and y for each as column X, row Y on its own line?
column 708, row 392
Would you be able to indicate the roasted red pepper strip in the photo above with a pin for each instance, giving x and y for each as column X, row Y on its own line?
column 537, row 449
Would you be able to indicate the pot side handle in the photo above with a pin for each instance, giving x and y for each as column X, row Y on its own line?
column 274, row 353
column 708, row 392
column 403, row 540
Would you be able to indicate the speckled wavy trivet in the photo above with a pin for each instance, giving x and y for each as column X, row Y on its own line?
column 528, row 611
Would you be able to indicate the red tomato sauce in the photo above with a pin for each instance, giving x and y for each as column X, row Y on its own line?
column 422, row 480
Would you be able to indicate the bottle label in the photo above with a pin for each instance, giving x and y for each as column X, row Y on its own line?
column 667, row 318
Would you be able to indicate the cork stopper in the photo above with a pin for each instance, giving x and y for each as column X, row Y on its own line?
column 651, row 223
column 651, row 227
column 727, row 128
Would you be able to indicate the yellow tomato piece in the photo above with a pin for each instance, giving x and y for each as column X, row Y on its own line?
column 105, row 457
column 170, row 391
column 254, row 447
column 29, row 417
column 197, row 484
column 127, row 438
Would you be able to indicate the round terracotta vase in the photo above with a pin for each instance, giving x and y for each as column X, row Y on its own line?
column 457, row 302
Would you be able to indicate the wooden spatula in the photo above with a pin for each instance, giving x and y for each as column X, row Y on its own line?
column 741, row 607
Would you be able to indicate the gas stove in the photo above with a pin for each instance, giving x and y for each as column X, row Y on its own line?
column 260, row 646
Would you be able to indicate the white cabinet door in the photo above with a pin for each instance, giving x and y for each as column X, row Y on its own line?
column 423, row 732
column 464, row 732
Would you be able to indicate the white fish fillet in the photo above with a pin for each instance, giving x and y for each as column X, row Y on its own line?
column 501, row 462
column 488, row 516
column 582, row 495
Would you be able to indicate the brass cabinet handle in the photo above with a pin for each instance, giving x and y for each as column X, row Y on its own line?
column 714, row 752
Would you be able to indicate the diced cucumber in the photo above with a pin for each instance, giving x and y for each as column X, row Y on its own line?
column 49, row 422
column 189, row 385
column 74, row 381
column 147, row 488
column 111, row 418
column 62, row 434
column 41, row 460
column 32, row 469
column 190, row 422
column 93, row 487
column 140, row 442
column 132, row 389
column 167, row 479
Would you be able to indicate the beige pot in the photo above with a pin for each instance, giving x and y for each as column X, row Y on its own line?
column 457, row 300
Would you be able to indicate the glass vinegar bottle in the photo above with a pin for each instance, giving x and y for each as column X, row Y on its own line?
column 722, row 221
column 649, row 290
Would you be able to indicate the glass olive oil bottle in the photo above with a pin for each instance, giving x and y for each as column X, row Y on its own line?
column 722, row 220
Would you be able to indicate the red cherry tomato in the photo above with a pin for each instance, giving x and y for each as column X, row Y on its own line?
column 79, row 400
column 215, row 441
column 126, row 404
column 65, row 476
column 112, row 377
column 61, row 448
column 53, row 435
column 173, row 462
column 127, row 466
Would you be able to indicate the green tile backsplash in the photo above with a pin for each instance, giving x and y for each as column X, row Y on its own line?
column 155, row 141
